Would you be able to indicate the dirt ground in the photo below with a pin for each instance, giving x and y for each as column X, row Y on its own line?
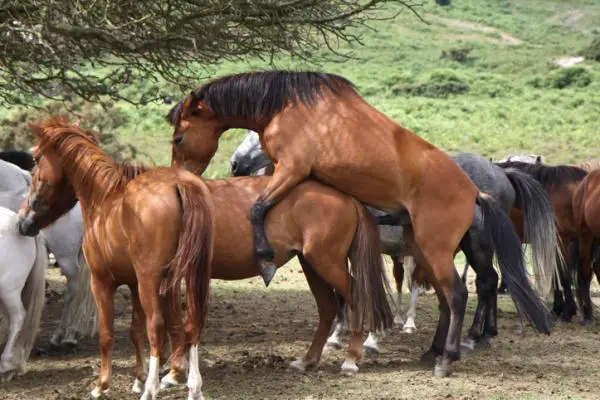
column 253, row 333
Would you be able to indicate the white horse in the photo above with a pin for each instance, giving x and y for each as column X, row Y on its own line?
column 23, row 262
column 64, row 239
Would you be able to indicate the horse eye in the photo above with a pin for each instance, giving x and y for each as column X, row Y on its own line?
column 178, row 139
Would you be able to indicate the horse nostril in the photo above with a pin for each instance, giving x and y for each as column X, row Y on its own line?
column 234, row 166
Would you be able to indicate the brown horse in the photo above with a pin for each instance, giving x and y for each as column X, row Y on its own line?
column 145, row 231
column 586, row 216
column 321, row 236
column 316, row 124
column 560, row 182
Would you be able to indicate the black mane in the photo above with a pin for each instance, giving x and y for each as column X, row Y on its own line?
column 547, row 175
column 258, row 95
column 22, row 159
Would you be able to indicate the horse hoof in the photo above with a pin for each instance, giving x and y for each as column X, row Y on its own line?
column 442, row 369
column 349, row 368
column 138, row 386
column 55, row 341
column 429, row 357
column 168, row 381
column 298, row 366
column 371, row 350
column 97, row 392
column 587, row 321
column 409, row 329
column 399, row 320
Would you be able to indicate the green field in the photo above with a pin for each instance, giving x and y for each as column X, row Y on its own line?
column 478, row 78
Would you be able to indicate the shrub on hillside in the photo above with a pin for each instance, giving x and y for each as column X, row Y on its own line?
column 458, row 55
column 563, row 78
column 592, row 52
column 440, row 84
column 15, row 133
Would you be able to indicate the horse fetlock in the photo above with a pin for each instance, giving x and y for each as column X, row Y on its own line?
column 399, row 319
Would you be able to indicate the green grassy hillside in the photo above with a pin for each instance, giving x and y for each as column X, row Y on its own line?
column 478, row 78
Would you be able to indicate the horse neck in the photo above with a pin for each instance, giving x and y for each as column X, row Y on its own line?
column 94, row 175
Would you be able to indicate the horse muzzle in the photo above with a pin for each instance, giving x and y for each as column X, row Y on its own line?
column 27, row 225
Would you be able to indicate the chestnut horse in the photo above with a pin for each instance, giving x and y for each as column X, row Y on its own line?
column 316, row 124
column 321, row 236
column 135, row 227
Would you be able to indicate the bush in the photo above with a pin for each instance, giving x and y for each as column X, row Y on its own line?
column 563, row 78
column 458, row 55
column 592, row 52
column 17, row 135
column 440, row 84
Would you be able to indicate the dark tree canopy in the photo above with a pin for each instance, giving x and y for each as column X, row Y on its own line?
column 61, row 49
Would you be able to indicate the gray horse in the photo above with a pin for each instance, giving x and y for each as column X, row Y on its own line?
column 510, row 188
column 63, row 239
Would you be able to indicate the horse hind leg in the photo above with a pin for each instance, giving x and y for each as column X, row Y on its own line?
column 398, row 269
column 341, row 327
column 16, row 318
column 138, row 337
column 327, row 307
column 64, row 333
column 410, row 326
column 480, row 255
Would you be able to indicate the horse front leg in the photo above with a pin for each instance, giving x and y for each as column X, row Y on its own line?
column 283, row 180
column 104, row 292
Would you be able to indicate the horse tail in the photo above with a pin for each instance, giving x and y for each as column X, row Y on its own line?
column 540, row 228
column 34, row 298
column 193, row 258
column 369, row 286
column 84, row 318
column 509, row 253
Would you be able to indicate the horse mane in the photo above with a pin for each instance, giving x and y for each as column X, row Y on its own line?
column 590, row 165
column 90, row 168
column 548, row 175
column 260, row 94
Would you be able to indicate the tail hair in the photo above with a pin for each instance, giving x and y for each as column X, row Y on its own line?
column 370, row 289
column 193, row 258
column 540, row 229
column 509, row 254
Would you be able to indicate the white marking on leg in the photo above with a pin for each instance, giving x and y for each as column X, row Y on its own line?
column 152, row 382
column 335, row 340
column 371, row 345
column 194, row 378
column 399, row 317
column 137, row 386
column 168, row 380
column 298, row 365
column 409, row 326
column 349, row 367
column 16, row 317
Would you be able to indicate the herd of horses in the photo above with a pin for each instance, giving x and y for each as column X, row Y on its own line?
column 341, row 184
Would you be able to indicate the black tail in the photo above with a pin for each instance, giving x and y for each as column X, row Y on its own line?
column 540, row 227
column 509, row 254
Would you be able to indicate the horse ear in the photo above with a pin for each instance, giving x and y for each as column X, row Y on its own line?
column 539, row 160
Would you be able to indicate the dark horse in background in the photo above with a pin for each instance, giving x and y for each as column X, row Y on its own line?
column 22, row 159
column 316, row 124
